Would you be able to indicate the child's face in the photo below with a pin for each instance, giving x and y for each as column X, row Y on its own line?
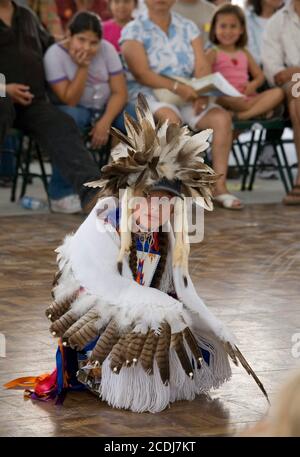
column 86, row 41
column 122, row 9
column 228, row 29
column 153, row 211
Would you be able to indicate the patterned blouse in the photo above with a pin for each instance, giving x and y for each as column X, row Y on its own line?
column 168, row 54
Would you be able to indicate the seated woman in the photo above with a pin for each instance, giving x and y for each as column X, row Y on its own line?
column 122, row 11
column 230, row 58
column 160, row 44
column 86, row 76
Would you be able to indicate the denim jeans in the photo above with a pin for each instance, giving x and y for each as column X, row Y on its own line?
column 7, row 156
column 58, row 135
column 58, row 186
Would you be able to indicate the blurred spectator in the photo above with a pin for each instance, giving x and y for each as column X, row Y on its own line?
column 281, row 63
column 160, row 44
column 47, row 13
column 22, row 43
column 198, row 11
column 258, row 14
column 218, row 3
column 122, row 11
column 283, row 419
column 89, row 84
column 230, row 58
column 67, row 9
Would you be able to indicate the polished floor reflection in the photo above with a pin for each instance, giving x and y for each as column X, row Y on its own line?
column 247, row 270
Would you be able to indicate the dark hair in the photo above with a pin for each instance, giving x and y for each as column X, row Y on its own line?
column 84, row 21
column 256, row 6
column 135, row 2
column 236, row 11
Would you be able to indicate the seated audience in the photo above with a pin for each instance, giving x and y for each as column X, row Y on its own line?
column 230, row 58
column 258, row 14
column 198, row 11
column 67, row 8
column 46, row 11
column 122, row 11
column 160, row 44
column 89, row 84
column 26, row 106
column 281, row 63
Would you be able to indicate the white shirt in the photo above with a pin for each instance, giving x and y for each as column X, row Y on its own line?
column 281, row 42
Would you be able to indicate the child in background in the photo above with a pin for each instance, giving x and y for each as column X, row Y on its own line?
column 86, row 75
column 230, row 58
column 122, row 11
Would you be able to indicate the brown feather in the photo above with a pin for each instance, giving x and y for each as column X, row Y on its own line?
column 134, row 347
column 117, row 355
column 249, row 370
column 162, row 355
column 84, row 335
column 61, row 325
column 148, row 352
column 177, row 344
column 56, row 278
column 105, row 343
column 91, row 315
column 56, row 310
column 193, row 345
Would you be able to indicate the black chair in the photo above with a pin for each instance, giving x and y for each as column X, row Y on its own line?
column 255, row 145
column 24, row 155
column 29, row 149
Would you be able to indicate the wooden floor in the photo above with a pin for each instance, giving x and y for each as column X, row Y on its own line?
column 247, row 270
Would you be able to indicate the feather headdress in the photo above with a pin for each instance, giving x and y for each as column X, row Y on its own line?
column 150, row 154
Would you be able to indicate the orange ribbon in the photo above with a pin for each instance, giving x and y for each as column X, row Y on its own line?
column 29, row 381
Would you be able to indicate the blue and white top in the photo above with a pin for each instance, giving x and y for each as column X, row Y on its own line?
column 168, row 54
column 255, row 29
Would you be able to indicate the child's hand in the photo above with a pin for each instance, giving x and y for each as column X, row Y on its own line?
column 100, row 133
column 250, row 88
column 81, row 58
column 187, row 93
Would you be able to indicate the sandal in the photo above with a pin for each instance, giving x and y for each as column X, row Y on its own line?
column 293, row 197
column 227, row 201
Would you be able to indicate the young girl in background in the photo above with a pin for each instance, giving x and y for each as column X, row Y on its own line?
column 230, row 58
column 86, row 76
column 122, row 11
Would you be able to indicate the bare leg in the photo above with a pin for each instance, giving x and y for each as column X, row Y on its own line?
column 294, row 110
column 221, row 123
column 235, row 104
column 264, row 102
column 164, row 114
